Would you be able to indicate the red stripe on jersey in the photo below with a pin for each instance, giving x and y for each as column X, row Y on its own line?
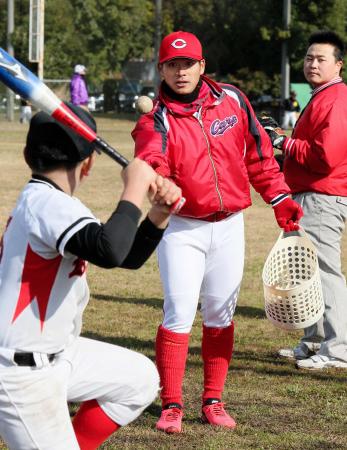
column 37, row 280
column 80, row 266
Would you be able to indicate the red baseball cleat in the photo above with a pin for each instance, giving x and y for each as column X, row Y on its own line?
column 215, row 414
column 170, row 420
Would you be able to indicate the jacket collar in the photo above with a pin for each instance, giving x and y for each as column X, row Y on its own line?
column 209, row 95
column 325, row 85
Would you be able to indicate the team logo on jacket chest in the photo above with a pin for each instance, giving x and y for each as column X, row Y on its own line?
column 219, row 127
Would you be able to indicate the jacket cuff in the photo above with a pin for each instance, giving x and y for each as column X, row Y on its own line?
column 287, row 146
column 278, row 199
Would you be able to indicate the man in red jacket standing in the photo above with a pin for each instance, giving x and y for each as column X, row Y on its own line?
column 206, row 138
column 315, row 168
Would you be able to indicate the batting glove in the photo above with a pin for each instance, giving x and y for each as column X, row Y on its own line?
column 275, row 132
column 288, row 213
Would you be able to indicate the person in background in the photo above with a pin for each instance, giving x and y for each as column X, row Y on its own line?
column 78, row 87
column 315, row 168
column 25, row 111
column 205, row 137
column 291, row 110
column 44, row 253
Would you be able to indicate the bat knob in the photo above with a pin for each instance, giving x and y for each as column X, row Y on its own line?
column 177, row 206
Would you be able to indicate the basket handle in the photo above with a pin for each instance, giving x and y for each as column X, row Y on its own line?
column 299, row 232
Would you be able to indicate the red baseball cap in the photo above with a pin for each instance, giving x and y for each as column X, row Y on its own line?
column 180, row 44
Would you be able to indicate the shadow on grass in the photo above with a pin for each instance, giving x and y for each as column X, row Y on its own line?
column 154, row 410
column 152, row 302
column 258, row 363
column 250, row 312
column 241, row 311
column 270, row 364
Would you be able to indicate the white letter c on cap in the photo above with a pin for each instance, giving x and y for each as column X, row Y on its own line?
column 179, row 43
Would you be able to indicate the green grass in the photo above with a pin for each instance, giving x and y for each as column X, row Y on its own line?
column 276, row 406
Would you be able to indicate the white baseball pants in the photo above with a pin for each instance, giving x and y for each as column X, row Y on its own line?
column 34, row 413
column 205, row 260
column 289, row 120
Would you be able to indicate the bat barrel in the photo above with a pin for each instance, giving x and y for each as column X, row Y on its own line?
column 23, row 82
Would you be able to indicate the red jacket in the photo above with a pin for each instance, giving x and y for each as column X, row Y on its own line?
column 213, row 149
column 316, row 155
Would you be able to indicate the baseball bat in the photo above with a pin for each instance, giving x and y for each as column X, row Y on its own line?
column 23, row 82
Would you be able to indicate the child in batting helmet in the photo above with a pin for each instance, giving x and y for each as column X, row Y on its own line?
column 49, row 240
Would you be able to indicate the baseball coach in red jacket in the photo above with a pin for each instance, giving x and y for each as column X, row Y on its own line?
column 205, row 137
column 315, row 167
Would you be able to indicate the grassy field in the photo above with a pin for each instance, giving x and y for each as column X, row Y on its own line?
column 276, row 406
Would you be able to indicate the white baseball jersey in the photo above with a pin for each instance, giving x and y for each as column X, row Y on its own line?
column 43, row 291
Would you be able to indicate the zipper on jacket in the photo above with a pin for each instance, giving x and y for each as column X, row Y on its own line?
column 198, row 116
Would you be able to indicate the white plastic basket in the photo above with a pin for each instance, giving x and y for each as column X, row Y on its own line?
column 292, row 287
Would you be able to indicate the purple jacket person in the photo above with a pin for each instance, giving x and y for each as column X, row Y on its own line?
column 78, row 87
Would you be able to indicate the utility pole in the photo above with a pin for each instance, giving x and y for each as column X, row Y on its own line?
column 157, row 40
column 10, row 51
column 36, row 34
column 285, row 67
column 41, row 37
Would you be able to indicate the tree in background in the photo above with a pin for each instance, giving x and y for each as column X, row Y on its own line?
column 100, row 34
column 114, row 31
column 242, row 39
column 309, row 16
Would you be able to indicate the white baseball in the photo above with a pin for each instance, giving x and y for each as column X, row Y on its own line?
column 144, row 104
